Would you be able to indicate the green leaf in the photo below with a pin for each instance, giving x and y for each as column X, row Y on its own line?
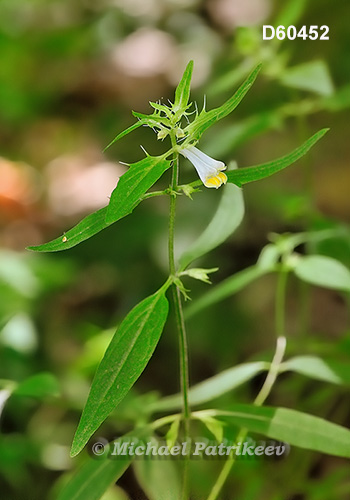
column 182, row 93
column 225, row 289
column 313, row 76
column 290, row 13
column 225, row 140
column 213, row 387
column 314, row 367
column 133, row 184
column 214, row 426
column 125, row 359
column 268, row 257
column 94, row 477
column 207, row 118
column 173, row 433
column 125, row 132
column 227, row 218
column 323, row 271
column 4, row 396
column 125, row 197
column 294, row 427
column 39, row 386
column 249, row 174
column 85, row 229
column 158, row 478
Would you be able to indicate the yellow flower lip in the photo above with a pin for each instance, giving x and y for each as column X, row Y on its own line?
column 208, row 169
column 217, row 181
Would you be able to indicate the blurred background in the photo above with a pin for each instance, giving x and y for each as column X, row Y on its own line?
column 70, row 73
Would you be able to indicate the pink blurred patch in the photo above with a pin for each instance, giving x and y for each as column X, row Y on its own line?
column 76, row 185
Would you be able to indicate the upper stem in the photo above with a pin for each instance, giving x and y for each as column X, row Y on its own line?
column 180, row 323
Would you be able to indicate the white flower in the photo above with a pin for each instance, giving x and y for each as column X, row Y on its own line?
column 208, row 169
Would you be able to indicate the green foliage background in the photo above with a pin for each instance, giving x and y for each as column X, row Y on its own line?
column 70, row 71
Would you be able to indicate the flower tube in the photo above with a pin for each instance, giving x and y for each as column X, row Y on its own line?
column 208, row 169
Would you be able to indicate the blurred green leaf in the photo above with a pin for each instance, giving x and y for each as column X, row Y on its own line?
column 314, row 367
column 249, row 174
column 16, row 270
column 4, row 396
column 226, row 288
column 93, row 478
column 294, row 427
column 158, row 478
column 313, row 76
column 290, row 13
column 125, row 359
column 227, row 218
column 207, row 118
column 213, row 387
column 224, row 140
column 323, row 271
column 133, row 184
column 268, row 257
column 182, row 93
column 173, row 433
column 38, row 386
column 214, row 426
column 340, row 100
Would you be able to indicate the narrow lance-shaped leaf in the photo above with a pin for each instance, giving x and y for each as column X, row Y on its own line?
column 97, row 474
column 213, row 387
column 133, row 184
column 323, row 271
column 249, row 174
column 327, row 370
column 182, row 93
column 126, row 197
column 207, row 118
column 293, row 427
column 125, row 359
column 227, row 218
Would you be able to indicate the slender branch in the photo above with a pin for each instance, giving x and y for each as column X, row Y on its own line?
column 271, row 377
column 280, row 304
column 154, row 193
column 215, row 492
column 272, row 374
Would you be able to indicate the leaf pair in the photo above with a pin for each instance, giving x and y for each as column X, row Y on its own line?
column 283, row 424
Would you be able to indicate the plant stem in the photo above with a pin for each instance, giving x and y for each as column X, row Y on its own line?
column 272, row 373
column 180, row 323
column 280, row 304
column 271, row 377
